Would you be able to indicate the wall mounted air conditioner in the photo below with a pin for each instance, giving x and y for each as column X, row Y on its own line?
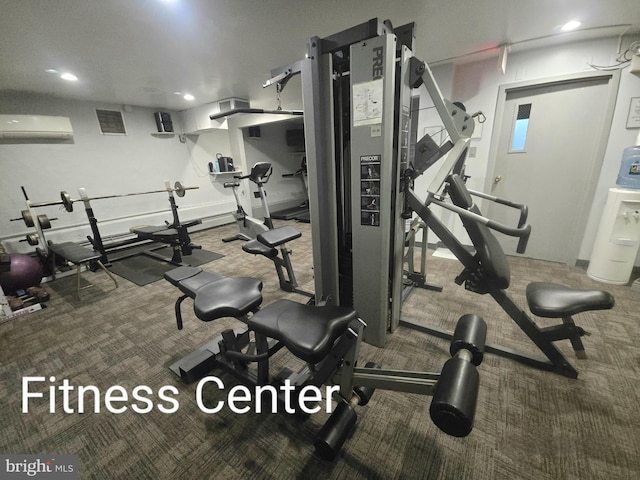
column 35, row 126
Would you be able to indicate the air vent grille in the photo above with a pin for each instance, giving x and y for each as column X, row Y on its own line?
column 111, row 122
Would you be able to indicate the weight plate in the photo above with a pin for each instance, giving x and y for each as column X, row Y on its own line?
column 66, row 201
column 32, row 239
column 179, row 188
column 44, row 222
column 28, row 219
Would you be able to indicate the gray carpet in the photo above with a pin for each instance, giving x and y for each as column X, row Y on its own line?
column 529, row 424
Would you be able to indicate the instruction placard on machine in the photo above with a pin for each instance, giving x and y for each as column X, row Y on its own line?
column 367, row 102
column 370, row 190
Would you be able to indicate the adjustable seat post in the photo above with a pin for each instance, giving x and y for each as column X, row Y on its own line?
column 578, row 332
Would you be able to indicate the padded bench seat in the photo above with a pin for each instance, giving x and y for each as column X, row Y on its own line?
column 161, row 233
column 78, row 255
column 552, row 300
column 267, row 242
column 278, row 236
column 307, row 331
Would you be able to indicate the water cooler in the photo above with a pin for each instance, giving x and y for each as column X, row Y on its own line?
column 618, row 239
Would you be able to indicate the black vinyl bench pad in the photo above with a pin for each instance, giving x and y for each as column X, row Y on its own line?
column 278, row 236
column 73, row 252
column 309, row 332
column 216, row 296
column 164, row 234
column 267, row 242
column 552, row 300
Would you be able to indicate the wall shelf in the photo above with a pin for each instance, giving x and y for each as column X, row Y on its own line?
column 214, row 175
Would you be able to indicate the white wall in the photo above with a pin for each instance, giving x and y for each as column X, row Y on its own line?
column 272, row 147
column 103, row 165
column 140, row 162
column 476, row 84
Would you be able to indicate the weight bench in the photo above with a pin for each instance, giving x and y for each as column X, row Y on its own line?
column 78, row 255
column 327, row 339
column 266, row 245
column 175, row 236
column 488, row 271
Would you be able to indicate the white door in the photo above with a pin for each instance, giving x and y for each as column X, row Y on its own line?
column 548, row 146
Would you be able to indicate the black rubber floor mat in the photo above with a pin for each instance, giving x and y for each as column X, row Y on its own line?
column 142, row 269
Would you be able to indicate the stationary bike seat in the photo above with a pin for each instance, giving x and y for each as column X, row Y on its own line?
column 554, row 301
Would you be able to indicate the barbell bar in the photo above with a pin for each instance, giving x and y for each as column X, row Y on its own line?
column 25, row 215
column 67, row 201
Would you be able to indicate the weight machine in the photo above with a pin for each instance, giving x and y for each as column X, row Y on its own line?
column 357, row 101
column 326, row 335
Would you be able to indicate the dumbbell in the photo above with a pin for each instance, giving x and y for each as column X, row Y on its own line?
column 456, row 392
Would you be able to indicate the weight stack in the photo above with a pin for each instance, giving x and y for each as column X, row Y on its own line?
column 163, row 121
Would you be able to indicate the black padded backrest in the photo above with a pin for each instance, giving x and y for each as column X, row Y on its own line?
column 488, row 250
column 260, row 172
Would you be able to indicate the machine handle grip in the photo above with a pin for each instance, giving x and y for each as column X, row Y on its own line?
column 524, row 239
column 524, row 209
column 521, row 232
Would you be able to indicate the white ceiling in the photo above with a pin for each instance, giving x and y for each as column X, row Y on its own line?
column 138, row 52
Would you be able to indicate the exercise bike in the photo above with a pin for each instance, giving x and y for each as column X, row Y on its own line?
column 251, row 227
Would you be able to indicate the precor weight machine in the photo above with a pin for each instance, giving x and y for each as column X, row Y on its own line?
column 357, row 97
column 326, row 336
column 357, row 104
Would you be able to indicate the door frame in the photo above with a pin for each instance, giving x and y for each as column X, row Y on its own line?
column 576, row 236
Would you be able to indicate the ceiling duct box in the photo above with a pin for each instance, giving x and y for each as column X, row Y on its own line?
column 233, row 104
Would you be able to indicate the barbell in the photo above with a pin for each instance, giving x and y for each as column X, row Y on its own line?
column 67, row 201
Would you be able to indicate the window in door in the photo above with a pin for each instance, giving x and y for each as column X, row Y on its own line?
column 520, row 128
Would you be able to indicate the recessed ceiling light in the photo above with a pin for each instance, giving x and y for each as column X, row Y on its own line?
column 51, row 70
column 188, row 96
column 572, row 25
column 177, row 93
column 69, row 76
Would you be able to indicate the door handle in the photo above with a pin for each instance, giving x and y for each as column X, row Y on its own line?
column 497, row 179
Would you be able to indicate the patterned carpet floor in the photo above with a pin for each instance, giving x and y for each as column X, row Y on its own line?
column 530, row 424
